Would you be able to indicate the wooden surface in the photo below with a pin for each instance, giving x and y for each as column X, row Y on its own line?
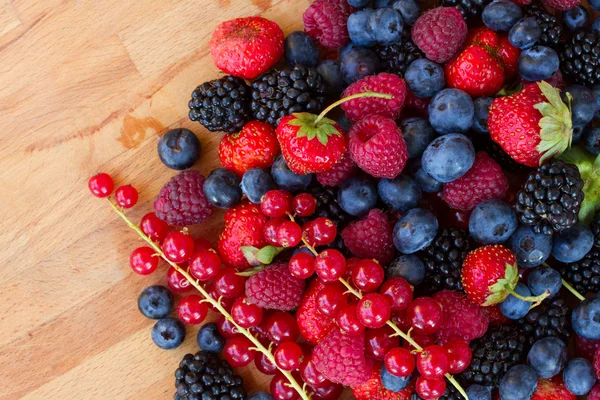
column 87, row 86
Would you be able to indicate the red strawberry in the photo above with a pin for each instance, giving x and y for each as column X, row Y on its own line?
column 532, row 125
column 552, row 389
column 313, row 325
column 246, row 47
column 275, row 288
column 374, row 390
column 255, row 146
column 245, row 211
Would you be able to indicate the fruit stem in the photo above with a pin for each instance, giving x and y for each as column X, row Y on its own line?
column 354, row 96
column 250, row 272
column 215, row 303
column 572, row 290
column 536, row 300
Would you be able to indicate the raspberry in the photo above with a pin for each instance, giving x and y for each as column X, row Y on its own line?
column 337, row 174
column 325, row 21
column 341, row 358
column 376, row 145
column 463, row 319
column 596, row 363
column 370, row 237
column 495, row 316
column 275, row 288
column 181, row 201
column 586, row 348
column 392, row 84
column 440, row 33
column 313, row 325
column 484, row 181
column 595, row 392
column 417, row 104
column 562, row 5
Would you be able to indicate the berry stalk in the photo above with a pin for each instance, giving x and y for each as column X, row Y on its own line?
column 536, row 300
column 352, row 97
column 571, row 289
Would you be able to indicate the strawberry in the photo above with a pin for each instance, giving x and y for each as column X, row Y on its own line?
column 255, row 146
column 313, row 325
column 374, row 390
column 246, row 47
column 531, row 125
column 552, row 389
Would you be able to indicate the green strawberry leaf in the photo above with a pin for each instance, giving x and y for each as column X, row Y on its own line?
column 303, row 119
column 249, row 253
column 498, row 291
column 589, row 169
column 267, row 254
column 311, row 129
column 556, row 125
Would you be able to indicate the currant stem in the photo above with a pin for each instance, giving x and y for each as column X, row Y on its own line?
column 354, row 96
column 572, row 290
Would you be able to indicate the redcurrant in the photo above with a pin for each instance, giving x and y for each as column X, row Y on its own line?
column 276, row 203
column 331, row 299
column 281, row 389
column 310, row 375
column 288, row 356
column 348, row 322
column 433, row 362
column 373, row 310
column 178, row 247
column 282, row 327
column 302, row 265
column 155, row 228
column 425, row 315
column 177, row 281
column 399, row 293
column 205, row 264
column 202, row 244
column 143, row 260
column 238, row 351
column 399, row 362
column 304, row 204
column 246, row 314
column 263, row 364
column 101, row 185
column 126, row 196
column 430, row 389
column 260, row 330
column 367, row 275
column 270, row 230
column 326, row 391
column 226, row 302
column 229, row 284
column 459, row 354
column 422, row 340
column 191, row 310
column 320, row 231
column 379, row 341
column 226, row 328
column 330, row 265
column 289, row 234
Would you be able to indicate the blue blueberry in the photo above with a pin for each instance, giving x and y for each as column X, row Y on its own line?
column 572, row 244
column 222, row 188
column 408, row 9
column 530, row 248
column 595, row 4
column 451, row 111
column 344, row 122
column 386, row 25
column 260, row 396
column 358, row 3
column 576, row 18
column 578, row 132
column 548, row 356
column 479, row 392
column 417, row 134
column 168, row 333
column 538, row 63
column 542, row 279
column 255, row 183
column 586, row 319
column 358, row 62
column 409, row 267
column 301, row 49
column 424, row 77
column 415, row 230
column 400, row 193
column 391, row 382
column 209, row 338
column 596, row 26
column 492, row 222
column 286, row 179
column 357, row 195
column 501, row 15
column 591, row 140
column 525, row 33
column 332, row 76
column 514, row 308
column 596, row 92
column 519, row 383
column 448, row 157
column 383, row 3
column 583, row 104
column 346, row 48
column 482, row 110
column 579, row 376
column 426, row 181
column 178, row 148
column 155, row 302
column 359, row 30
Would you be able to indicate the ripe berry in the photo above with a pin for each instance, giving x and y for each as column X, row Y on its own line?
column 459, row 355
column 330, row 265
column 229, row 284
column 288, row 356
column 202, row 244
column 367, row 275
column 246, row 314
column 276, row 203
column 422, row 340
column 101, row 185
column 143, row 260
column 304, row 205
column 348, row 322
column 378, row 342
column 331, row 299
column 430, row 389
column 205, row 264
column 153, row 227
column 178, row 247
column 281, row 389
column 263, row 364
column 270, row 230
column 309, row 373
column 282, row 327
column 126, row 196
column 226, row 328
column 177, row 282
column 425, row 315
column 399, row 362
column 289, row 234
column 237, row 351
column 320, row 231
column 433, row 362
column 226, row 302
column 191, row 310
column 398, row 292
column 326, row 391
column 302, row 265
column 373, row 310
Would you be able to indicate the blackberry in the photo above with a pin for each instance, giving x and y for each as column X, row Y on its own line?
column 493, row 354
column 222, row 104
column 280, row 93
column 551, row 318
column 551, row 197
column 483, row 142
column 583, row 275
column 550, row 24
column 595, row 227
column 470, row 9
column 580, row 58
column 205, row 376
column 395, row 58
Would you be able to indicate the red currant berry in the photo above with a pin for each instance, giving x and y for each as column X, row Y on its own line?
column 288, row 356
column 126, row 196
column 281, row 389
column 302, row 265
column 246, row 314
column 264, row 365
column 155, row 228
column 101, row 185
column 276, row 203
column 229, row 284
column 330, row 265
column 260, row 330
column 433, row 362
column 320, row 231
column 226, row 328
column 178, row 247
column 459, row 354
column 270, row 230
column 289, row 234
column 348, row 322
column 373, row 310
column 326, row 391
column 226, row 302
column 205, row 264
column 430, row 389
column 282, row 327
column 367, row 275
column 399, row 362
column 191, row 310
column 331, row 299
column 202, row 244
column 425, row 315
column 378, row 342
column 237, row 351
column 310, row 375
column 422, row 340
column 351, row 263
column 304, row 204
column 177, row 282
column 143, row 260
column 399, row 293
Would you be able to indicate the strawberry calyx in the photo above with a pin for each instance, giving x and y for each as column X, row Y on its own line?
column 258, row 257
column 556, row 125
column 589, row 169
column 501, row 289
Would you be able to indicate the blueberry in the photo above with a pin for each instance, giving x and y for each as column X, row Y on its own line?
column 332, row 75
column 514, row 308
column 538, row 63
column 209, row 338
column 451, row 111
column 408, row 9
column 286, row 179
column 583, row 104
column 358, row 3
column 417, row 134
column 359, row 30
column 344, row 122
column 357, row 195
column 572, row 244
column 595, row 4
column 586, row 319
column 530, row 248
column 578, row 132
column 415, row 230
column 479, row 392
column 596, row 26
column 501, row 15
column 168, row 333
column 260, row 396
column 383, row 3
column 596, row 91
column 548, row 356
column 492, row 222
column 448, row 157
column 542, row 279
column 579, row 376
column 591, row 140
column 391, row 382
column 155, row 302
column 426, row 181
column 409, row 267
column 357, row 62
column 178, row 148
column 301, row 49
column 525, row 33
column 576, row 18
column 481, row 106
column 386, row 25
column 424, row 77
column 222, row 188
column 519, row 383
column 400, row 193
column 255, row 183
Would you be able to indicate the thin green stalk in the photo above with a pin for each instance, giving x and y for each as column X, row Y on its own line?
column 572, row 290
column 354, row 96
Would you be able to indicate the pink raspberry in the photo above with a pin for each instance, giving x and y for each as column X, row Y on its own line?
column 596, row 363
column 370, row 237
column 440, row 33
column 417, row 104
column 392, row 84
column 484, row 181
column 275, row 288
column 337, row 174
column 377, row 146
column 595, row 392
column 586, row 348
column 325, row 21
column 562, row 5
column 495, row 316
column 463, row 319
column 522, row 2
column 181, row 201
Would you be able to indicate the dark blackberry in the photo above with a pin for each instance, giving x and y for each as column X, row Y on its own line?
column 550, row 24
column 470, row 9
column 551, row 197
column 551, row 318
column 583, row 275
column 222, row 104
column 395, row 58
column 580, row 58
column 595, row 227
column 280, row 93
column 484, row 142
column 493, row 354
column 205, row 376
